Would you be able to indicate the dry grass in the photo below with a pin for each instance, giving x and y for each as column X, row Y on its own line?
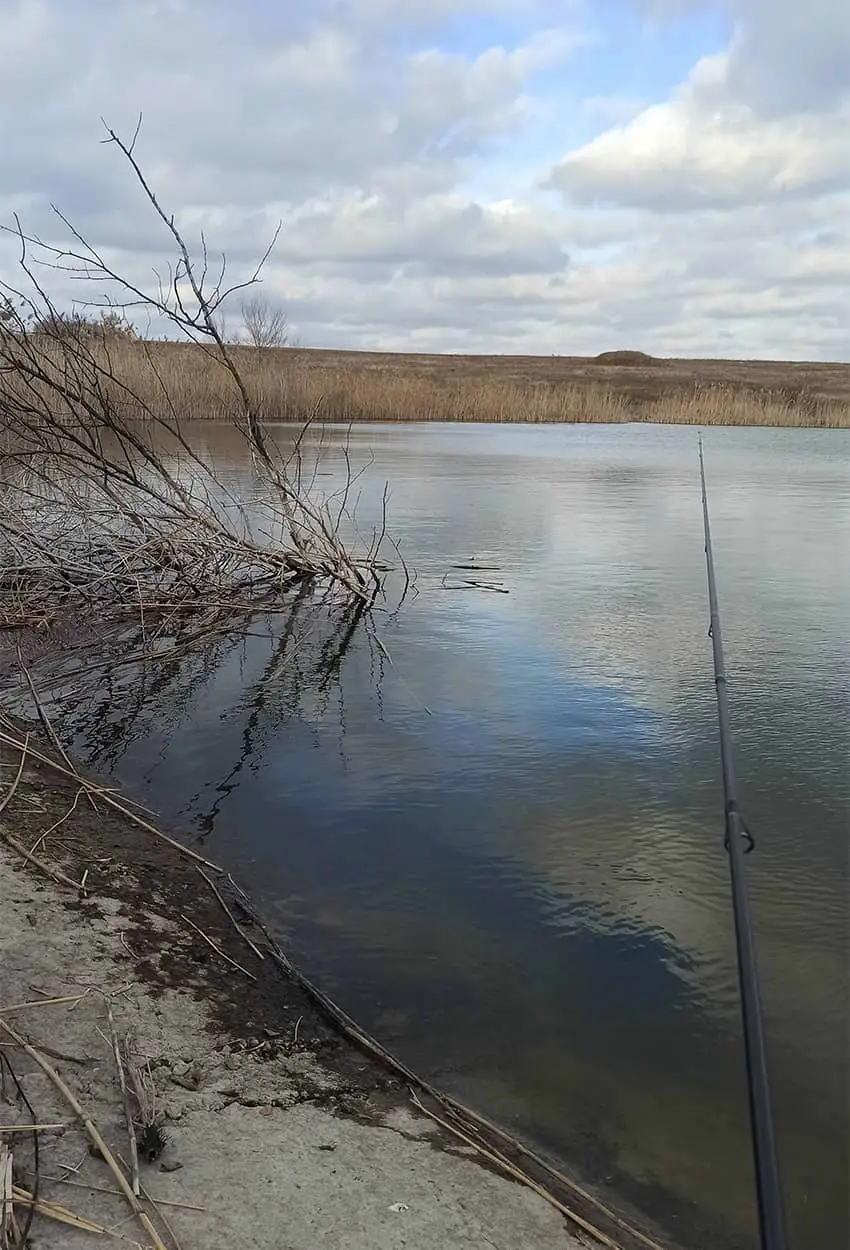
column 293, row 385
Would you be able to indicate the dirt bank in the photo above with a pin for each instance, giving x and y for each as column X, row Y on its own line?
column 279, row 1132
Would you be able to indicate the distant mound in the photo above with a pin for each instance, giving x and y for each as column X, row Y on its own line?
column 629, row 358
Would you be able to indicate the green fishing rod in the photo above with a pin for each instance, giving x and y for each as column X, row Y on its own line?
column 739, row 843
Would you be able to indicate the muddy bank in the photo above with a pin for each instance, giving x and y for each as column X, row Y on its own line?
column 277, row 1131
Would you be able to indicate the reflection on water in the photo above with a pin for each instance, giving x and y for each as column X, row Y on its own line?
column 502, row 847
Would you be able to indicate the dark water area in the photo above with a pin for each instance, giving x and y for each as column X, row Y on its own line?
column 501, row 850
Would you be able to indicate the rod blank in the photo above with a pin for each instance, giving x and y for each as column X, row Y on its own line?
column 739, row 843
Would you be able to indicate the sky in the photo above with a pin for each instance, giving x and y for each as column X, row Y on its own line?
column 500, row 176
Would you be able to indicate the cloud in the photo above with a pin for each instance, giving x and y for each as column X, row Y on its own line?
column 763, row 120
column 783, row 57
column 786, row 58
column 703, row 148
column 456, row 174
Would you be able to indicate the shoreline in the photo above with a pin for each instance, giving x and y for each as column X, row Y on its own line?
column 279, row 1126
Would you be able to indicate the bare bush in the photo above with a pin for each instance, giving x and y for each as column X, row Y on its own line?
column 110, row 325
column 265, row 326
column 101, row 513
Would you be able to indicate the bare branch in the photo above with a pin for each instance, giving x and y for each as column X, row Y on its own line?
column 104, row 503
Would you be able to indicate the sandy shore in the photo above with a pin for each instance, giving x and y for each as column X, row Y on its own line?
column 280, row 1134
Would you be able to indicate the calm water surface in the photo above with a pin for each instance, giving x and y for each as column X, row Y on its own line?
column 503, row 851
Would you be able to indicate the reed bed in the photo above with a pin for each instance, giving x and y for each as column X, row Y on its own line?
column 292, row 385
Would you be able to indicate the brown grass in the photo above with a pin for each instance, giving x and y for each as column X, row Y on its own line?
column 293, row 385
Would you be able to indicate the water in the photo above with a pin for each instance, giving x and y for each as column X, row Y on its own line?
column 502, row 851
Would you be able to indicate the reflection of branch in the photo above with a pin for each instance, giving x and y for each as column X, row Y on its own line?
column 336, row 648
column 307, row 655
column 373, row 637
column 257, row 703
column 143, row 689
column 284, row 672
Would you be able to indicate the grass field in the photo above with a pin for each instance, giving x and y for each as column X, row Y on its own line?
column 294, row 384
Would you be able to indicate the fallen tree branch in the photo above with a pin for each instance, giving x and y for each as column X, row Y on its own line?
column 104, row 502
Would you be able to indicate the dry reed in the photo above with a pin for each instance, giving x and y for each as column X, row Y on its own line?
column 293, row 385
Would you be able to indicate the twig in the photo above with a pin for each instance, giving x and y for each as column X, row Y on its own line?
column 45, row 720
column 56, row 825
column 145, row 1099
column 104, row 1189
column 49, row 869
column 156, row 1203
column 22, row 1234
column 237, row 887
column 218, row 949
column 107, row 797
column 125, row 1098
column 53, row 1211
column 60, row 1054
column 230, row 915
column 31, row 1128
column 91, row 1130
column 6, row 1193
column 42, row 1002
column 11, row 791
column 468, row 583
column 506, row 1166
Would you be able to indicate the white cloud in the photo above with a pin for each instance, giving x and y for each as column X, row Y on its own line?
column 709, row 221
column 787, row 57
column 703, row 148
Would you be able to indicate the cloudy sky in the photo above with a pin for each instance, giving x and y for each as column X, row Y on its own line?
column 528, row 176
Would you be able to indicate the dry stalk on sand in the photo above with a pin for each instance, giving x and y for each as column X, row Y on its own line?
column 7, row 1213
column 11, row 736
column 92, row 1132
column 101, row 512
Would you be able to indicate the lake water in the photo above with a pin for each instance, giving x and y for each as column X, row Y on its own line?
column 502, row 851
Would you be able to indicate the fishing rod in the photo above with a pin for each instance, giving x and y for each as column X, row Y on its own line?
column 739, row 842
